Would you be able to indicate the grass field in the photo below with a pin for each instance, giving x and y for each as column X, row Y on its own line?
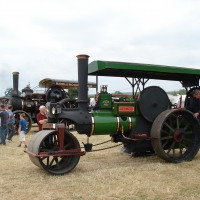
column 107, row 175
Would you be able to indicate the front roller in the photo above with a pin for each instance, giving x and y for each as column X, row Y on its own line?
column 178, row 135
column 57, row 152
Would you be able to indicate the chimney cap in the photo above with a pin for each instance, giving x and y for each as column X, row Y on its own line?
column 15, row 73
column 82, row 56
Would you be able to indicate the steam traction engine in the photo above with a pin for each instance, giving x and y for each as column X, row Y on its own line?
column 30, row 101
column 144, row 125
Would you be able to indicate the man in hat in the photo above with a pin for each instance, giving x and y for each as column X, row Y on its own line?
column 195, row 106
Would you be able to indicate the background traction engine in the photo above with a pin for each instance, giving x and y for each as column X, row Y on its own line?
column 29, row 102
column 143, row 125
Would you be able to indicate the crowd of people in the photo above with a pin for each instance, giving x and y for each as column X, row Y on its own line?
column 7, row 127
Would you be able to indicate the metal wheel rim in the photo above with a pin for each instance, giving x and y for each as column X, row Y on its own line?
column 46, row 141
column 178, row 135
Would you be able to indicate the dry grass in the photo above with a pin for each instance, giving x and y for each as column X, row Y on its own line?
column 100, row 175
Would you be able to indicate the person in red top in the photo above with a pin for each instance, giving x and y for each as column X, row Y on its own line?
column 41, row 117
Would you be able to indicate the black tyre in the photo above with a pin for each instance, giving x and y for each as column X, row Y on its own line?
column 178, row 135
column 47, row 141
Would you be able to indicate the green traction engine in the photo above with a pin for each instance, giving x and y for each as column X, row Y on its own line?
column 144, row 125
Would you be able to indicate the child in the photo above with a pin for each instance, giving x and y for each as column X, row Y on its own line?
column 22, row 130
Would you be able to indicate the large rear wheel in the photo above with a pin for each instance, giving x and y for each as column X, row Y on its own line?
column 178, row 135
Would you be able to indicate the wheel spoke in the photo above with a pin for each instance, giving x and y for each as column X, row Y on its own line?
column 56, row 160
column 187, row 139
column 188, row 132
column 184, row 145
column 170, row 127
column 165, row 132
column 67, row 145
column 166, row 142
column 172, row 146
column 181, row 121
column 51, row 163
column 47, row 161
column 186, row 126
column 167, row 137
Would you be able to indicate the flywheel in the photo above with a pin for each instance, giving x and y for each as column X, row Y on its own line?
column 152, row 101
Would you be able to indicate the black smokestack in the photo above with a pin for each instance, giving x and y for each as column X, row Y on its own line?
column 82, row 81
column 15, row 84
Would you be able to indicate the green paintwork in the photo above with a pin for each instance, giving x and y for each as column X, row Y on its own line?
column 105, row 101
column 105, row 123
column 100, row 65
column 138, row 70
column 110, row 119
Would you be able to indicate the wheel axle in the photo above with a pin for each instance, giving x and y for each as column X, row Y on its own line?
column 179, row 135
column 72, row 152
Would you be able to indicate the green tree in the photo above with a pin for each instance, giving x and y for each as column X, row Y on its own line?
column 9, row 92
column 181, row 92
column 73, row 93
column 117, row 92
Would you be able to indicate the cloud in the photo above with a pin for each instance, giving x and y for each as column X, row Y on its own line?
column 41, row 39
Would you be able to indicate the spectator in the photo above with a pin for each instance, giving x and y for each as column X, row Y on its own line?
column 6, row 108
column 22, row 130
column 3, row 124
column 41, row 117
column 10, row 125
column 195, row 106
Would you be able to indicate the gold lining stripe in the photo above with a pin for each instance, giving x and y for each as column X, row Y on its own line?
column 130, row 123
column 92, row 131
column 23, row 105
column 117, row 124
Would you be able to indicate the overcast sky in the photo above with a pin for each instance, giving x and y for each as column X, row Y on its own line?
column 41, row 38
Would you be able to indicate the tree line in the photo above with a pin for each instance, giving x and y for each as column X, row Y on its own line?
column 74, row 93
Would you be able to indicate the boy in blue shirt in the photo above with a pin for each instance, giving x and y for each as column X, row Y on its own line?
column 22, row 130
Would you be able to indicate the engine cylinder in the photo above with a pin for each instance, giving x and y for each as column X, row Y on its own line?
column 104, row 122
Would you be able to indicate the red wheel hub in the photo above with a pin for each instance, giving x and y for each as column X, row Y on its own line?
column 178, row 135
